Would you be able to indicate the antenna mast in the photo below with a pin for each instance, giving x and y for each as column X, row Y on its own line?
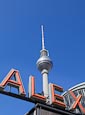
column 43, row 41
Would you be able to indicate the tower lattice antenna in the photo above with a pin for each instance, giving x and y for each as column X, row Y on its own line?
column 43, row 41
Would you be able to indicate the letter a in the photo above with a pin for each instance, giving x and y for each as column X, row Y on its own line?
column 17, row 83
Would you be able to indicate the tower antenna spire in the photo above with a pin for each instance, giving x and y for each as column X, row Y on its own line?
column 43, row 40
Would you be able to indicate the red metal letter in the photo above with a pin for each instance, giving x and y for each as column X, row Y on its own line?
column 77, row 102
column 32, row 93
column 56, row 99
column 14, row 83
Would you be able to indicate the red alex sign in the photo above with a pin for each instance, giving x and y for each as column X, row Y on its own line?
column 53, row 99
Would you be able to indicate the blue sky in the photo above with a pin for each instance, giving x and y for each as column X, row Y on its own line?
column 20, row 44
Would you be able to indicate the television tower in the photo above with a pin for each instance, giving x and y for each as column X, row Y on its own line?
column 44, row 65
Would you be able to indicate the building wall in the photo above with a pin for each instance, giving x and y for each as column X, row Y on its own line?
column 41, row 109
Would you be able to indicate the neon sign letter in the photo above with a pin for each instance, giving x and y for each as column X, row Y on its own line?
column 32, row 93
column 56, row 99
column 77, row 102
column 17, row 83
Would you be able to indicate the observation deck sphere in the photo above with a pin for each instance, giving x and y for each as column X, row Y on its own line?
column 44, row 62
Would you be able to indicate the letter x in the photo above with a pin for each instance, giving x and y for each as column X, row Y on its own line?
column 77, row 102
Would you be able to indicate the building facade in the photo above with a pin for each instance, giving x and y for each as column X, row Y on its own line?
column 41, row 109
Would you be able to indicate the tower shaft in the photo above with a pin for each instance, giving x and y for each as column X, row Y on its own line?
column 45, row 83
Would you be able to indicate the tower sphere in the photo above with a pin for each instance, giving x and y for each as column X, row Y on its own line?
column 44, row 62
